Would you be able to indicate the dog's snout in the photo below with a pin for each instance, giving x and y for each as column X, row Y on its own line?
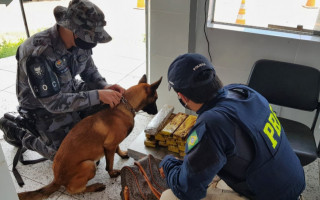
column 151, row 109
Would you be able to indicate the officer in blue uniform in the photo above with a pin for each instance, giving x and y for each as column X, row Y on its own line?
column 237, row 136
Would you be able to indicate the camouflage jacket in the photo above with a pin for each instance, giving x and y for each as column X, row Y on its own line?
column 49, row 44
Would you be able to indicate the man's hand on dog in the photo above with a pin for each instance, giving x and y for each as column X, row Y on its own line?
column 110, row 97
column 111, row 94
column 115, row 87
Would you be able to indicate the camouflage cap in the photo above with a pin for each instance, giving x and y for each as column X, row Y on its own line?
column 84, row 19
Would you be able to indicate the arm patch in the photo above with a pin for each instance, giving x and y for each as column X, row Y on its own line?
column 42, row 80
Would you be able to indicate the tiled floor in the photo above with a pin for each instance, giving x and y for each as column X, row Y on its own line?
column 121, row 61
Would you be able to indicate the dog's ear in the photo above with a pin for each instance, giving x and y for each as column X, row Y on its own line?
column 143, row 79
column 155, row 85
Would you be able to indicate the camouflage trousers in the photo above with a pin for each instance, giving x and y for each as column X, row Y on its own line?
column 53, row 128
column 52, row 131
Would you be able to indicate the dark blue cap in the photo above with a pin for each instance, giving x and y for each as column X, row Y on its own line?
column 185, row 68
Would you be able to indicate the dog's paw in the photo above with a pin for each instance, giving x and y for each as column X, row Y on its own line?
column 114, row 173
column 98, row 187
column 124, row 156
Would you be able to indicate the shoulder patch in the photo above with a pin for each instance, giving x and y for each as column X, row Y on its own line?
column 42, row 80
column 192, row 140
column 195, row 136
column 41, row 39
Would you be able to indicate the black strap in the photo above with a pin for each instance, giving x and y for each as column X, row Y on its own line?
column 29, row 162
column 14, row 170
column 19, row 157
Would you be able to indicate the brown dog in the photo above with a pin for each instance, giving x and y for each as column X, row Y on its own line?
column 94, row 136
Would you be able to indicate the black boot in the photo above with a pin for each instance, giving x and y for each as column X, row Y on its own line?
column 12, row 133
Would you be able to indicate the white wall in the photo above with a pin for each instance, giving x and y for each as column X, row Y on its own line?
column 233, row 52
column 7, row 190
column 168, row 36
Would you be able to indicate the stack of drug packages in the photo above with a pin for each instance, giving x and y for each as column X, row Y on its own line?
column 170, row 131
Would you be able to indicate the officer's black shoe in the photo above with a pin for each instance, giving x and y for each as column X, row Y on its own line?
column 11, row 132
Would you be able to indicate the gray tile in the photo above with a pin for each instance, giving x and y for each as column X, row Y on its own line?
column 312, row 190
column 140, row 70
column 133, row 77
column 11, row 89
column 116, row 63
column 66, row 197
column 8, row 102
column 112, row 192
column 40, row 172
column 112, row 77
column 7, row 79
column 138, row 46
column 31, row 185
column 129, row 81
column 8, row 64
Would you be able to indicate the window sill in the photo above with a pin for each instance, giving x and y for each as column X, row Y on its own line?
column 273, row 33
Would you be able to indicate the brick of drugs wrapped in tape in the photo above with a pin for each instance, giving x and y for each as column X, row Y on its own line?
column 184, row 128
column 173, row 148
column 150, row 143
column 177, row 141
column 174, row 124
column 159, row 120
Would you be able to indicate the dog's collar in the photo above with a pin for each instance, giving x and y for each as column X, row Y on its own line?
column 128, row 106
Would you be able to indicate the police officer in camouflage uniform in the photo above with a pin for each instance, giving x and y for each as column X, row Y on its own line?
column 47, row 88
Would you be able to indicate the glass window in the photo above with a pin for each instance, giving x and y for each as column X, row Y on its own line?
column 286, row 15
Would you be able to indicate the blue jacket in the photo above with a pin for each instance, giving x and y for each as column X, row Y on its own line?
column 216, row 146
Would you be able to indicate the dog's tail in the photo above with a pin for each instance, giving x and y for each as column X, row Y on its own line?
column 41, row 193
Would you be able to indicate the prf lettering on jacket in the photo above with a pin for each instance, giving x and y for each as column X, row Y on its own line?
column 273, row 125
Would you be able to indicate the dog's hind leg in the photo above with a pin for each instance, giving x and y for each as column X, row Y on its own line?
column 85, row 171
column 122, row 154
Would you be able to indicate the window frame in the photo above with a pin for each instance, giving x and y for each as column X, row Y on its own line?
column 287, row 32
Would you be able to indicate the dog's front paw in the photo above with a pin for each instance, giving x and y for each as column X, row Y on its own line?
column 114, row 173
column 124, row 155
